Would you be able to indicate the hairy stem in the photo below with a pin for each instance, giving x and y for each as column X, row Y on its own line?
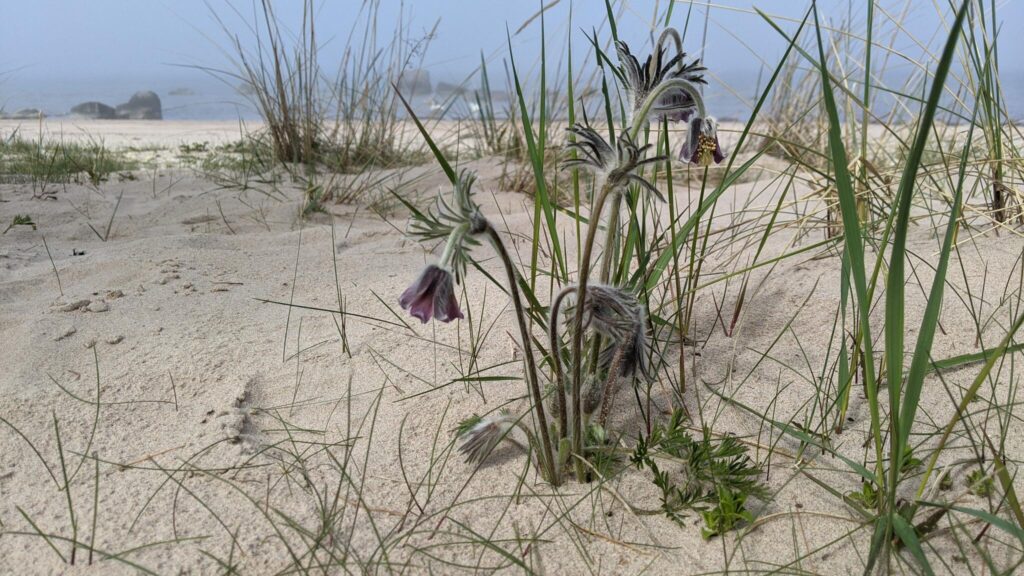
column 577, row 332
column 556, row 360
column 547, row 456
column 611, row 385
column 674, row 84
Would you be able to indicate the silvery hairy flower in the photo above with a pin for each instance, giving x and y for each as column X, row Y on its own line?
column 617, row 315
column 480, row 435
column 618, row 165
column 641, row 80
column 432, row 296
column 634, row 357
column 702, row 147
column 611, row 312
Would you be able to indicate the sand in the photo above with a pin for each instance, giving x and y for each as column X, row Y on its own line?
column 223, row 418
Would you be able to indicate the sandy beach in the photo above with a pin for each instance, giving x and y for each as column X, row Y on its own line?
column 191, row 359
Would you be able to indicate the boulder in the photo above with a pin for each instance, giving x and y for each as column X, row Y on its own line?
column 445, row 89
column 24, row 114
column 142, row 106
column 94, row 111
column 415, row 81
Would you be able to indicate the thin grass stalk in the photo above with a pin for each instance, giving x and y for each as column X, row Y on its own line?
column 863, row 209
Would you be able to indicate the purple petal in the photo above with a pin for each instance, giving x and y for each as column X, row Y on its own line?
column 422, row 308
column 431, row 296
column 446, row 306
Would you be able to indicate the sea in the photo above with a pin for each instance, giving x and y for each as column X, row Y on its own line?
column 200, row 96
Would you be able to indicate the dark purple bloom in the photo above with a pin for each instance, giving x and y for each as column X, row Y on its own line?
column 702, row 146
column 432, row 296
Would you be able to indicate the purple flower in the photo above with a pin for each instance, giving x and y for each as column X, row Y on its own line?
column 702, row 146
column 432, row 296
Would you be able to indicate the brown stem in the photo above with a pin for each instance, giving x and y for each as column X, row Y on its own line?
column 531, row 365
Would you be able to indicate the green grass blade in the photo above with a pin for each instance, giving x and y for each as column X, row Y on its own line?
column 894, row 295
column 906, row 534
column 536, row 152
column 966, row 359
column 448, row 170
column 852, row 238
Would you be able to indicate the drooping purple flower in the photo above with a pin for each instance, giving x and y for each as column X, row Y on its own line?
column 432, row 296
column 702, row 147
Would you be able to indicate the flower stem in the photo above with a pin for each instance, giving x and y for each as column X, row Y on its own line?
column 577, row 332
column 611, row 238
column 454, row 240
column 674, row 84
column 611, row 385
column 556, row 360
column 547, row 457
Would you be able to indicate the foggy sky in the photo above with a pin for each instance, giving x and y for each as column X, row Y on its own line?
column 74, row 39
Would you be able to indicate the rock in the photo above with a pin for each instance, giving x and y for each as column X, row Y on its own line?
column 143, row 105
column 114, row 294
column 182, row 92
column 115, row 339
column 414, row 81
column 24, row 114
column 72, row 306
column 64, row 332
column 98, row 306
column 445, row 89
column 94, row 111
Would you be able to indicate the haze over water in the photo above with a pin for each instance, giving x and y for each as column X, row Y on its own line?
column 55, row 54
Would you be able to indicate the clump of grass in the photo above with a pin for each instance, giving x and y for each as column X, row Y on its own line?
column 316, row 123
column 283, row 78
column 44, row 163
column 20, row 220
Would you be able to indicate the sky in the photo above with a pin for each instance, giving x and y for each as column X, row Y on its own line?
column 112, row 40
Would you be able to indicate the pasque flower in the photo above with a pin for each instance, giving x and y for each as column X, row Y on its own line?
column 702, row 146
column 641, row 80
column 432, row 296
column 462, row 223
column 619, row 165
column 617, row 315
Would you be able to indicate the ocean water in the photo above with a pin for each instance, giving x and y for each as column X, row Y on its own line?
column 200, row 96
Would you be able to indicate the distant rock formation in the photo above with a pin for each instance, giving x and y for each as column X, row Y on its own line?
column 415, row 81
column 182, row 92
column 24, row 114
column 445, row 89
column 94, row 111
column 143, row 105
